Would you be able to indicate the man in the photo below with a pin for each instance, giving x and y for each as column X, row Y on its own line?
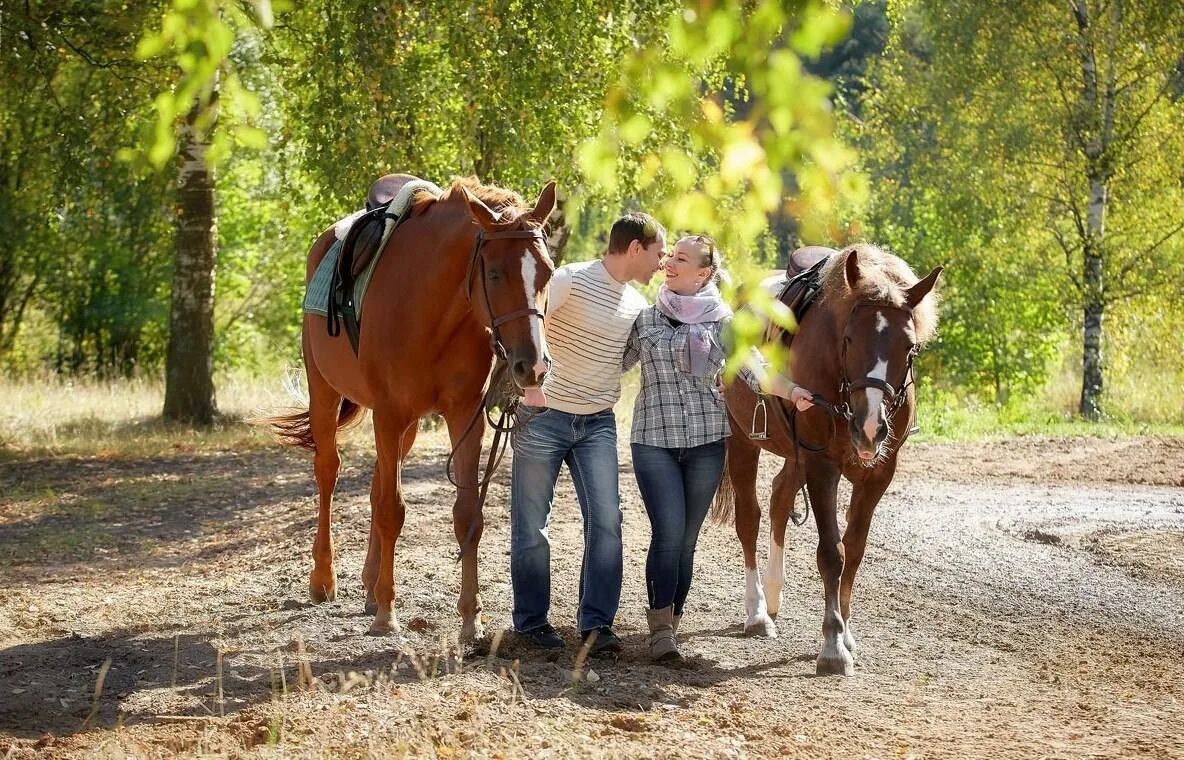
column 590, row 310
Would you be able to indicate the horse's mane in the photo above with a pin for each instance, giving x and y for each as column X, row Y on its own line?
column 884, row 278
column 497, row 198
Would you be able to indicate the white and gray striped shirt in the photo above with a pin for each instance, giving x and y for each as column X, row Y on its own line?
column 589, row 316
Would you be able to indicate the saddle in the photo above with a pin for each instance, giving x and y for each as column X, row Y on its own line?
column 802, row 284
column 387, row 206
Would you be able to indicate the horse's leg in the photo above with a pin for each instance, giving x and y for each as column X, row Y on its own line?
column 388, row 512
column 865, row 495
column 785, row 488
column 822, row 480
column 370, row 568
column 743, row 459
column 323, row 406
column 467, row 519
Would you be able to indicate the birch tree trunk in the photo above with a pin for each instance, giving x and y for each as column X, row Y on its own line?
column 189, row 381
column 1095, row 136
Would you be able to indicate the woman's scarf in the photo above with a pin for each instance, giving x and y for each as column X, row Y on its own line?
column 704, row 306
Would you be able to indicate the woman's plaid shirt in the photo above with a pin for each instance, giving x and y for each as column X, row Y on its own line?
column 674, row 408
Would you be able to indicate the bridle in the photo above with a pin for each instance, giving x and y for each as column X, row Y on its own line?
column 842, row 410
column 894, row 398
column 495, row 341
column 501, row 427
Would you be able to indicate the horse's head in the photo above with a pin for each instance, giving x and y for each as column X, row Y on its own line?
column 888, row 323
column 508, row 275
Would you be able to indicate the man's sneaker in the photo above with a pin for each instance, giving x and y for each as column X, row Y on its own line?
column 543, row 637
column 605, row 641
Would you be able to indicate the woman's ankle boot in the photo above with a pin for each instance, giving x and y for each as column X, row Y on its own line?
column 663, row 647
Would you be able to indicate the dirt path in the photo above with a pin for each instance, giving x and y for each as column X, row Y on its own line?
column 1021, row 598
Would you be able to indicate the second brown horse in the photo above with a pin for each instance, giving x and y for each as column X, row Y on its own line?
column 855, row 349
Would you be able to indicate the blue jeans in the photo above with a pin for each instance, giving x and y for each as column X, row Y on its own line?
column 677, row 486
column 542, row 441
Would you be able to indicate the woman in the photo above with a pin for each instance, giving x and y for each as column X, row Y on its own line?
column 679, row 423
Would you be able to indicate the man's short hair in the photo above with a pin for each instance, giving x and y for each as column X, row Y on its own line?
column 634, row 226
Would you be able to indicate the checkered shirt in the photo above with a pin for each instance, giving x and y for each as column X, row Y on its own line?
column 675, row 409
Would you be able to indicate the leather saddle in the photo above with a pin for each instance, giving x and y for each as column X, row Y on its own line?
column 359, row 247
column 803, row 282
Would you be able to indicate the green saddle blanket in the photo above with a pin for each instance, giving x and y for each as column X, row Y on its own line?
column 316, row 297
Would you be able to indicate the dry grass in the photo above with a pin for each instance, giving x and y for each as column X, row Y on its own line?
column 54, row 415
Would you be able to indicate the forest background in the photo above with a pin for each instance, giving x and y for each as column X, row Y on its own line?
column 164, row 167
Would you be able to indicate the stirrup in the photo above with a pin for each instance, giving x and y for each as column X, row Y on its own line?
column 763, row 433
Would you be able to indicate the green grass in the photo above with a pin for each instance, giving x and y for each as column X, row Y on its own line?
column 947, row 417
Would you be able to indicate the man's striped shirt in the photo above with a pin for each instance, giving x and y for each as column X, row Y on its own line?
column 589, row 316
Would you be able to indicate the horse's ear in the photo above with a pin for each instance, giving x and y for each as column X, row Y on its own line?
column 852, row 268
column 484, row 215
column 544, row 206
column 917, row 293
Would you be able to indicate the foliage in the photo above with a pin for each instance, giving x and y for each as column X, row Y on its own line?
column 199, row 36
column 503, row 90
column 82, row 234
column 715, row 116
column 756, row 49
column 990, row 153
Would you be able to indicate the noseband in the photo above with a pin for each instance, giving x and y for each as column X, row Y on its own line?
column 496, row 321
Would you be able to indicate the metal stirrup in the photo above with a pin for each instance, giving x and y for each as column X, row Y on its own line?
column 763, row 433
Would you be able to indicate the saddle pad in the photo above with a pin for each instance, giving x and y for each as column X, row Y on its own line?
column 316, row 297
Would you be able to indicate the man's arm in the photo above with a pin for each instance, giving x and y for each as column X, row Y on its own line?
column 558, row 289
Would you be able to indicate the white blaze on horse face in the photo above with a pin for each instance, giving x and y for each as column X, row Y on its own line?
column 881, row 323
column 529, row 270
column 875, row 397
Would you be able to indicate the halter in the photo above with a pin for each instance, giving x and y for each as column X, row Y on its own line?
column 495, row 341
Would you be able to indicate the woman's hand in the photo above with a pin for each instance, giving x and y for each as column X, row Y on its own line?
column 801, row 398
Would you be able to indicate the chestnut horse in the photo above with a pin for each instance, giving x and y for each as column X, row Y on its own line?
column 456, row 282
column 854, row 349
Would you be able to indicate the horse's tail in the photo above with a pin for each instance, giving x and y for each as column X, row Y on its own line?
column 296, row 429
column 723, row 509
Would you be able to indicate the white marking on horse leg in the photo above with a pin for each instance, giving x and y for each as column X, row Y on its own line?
column 875, row 399
column 758, row 623
column 774, row 576
column 848, row 636
column 529, row 268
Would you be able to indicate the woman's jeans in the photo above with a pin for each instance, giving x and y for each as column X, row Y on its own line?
column 543, row 440
column 677, row 486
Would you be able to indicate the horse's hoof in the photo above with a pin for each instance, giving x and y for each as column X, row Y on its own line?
column 320, row 592
column 762, row 626
column 840, row 664
column 382, row 629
